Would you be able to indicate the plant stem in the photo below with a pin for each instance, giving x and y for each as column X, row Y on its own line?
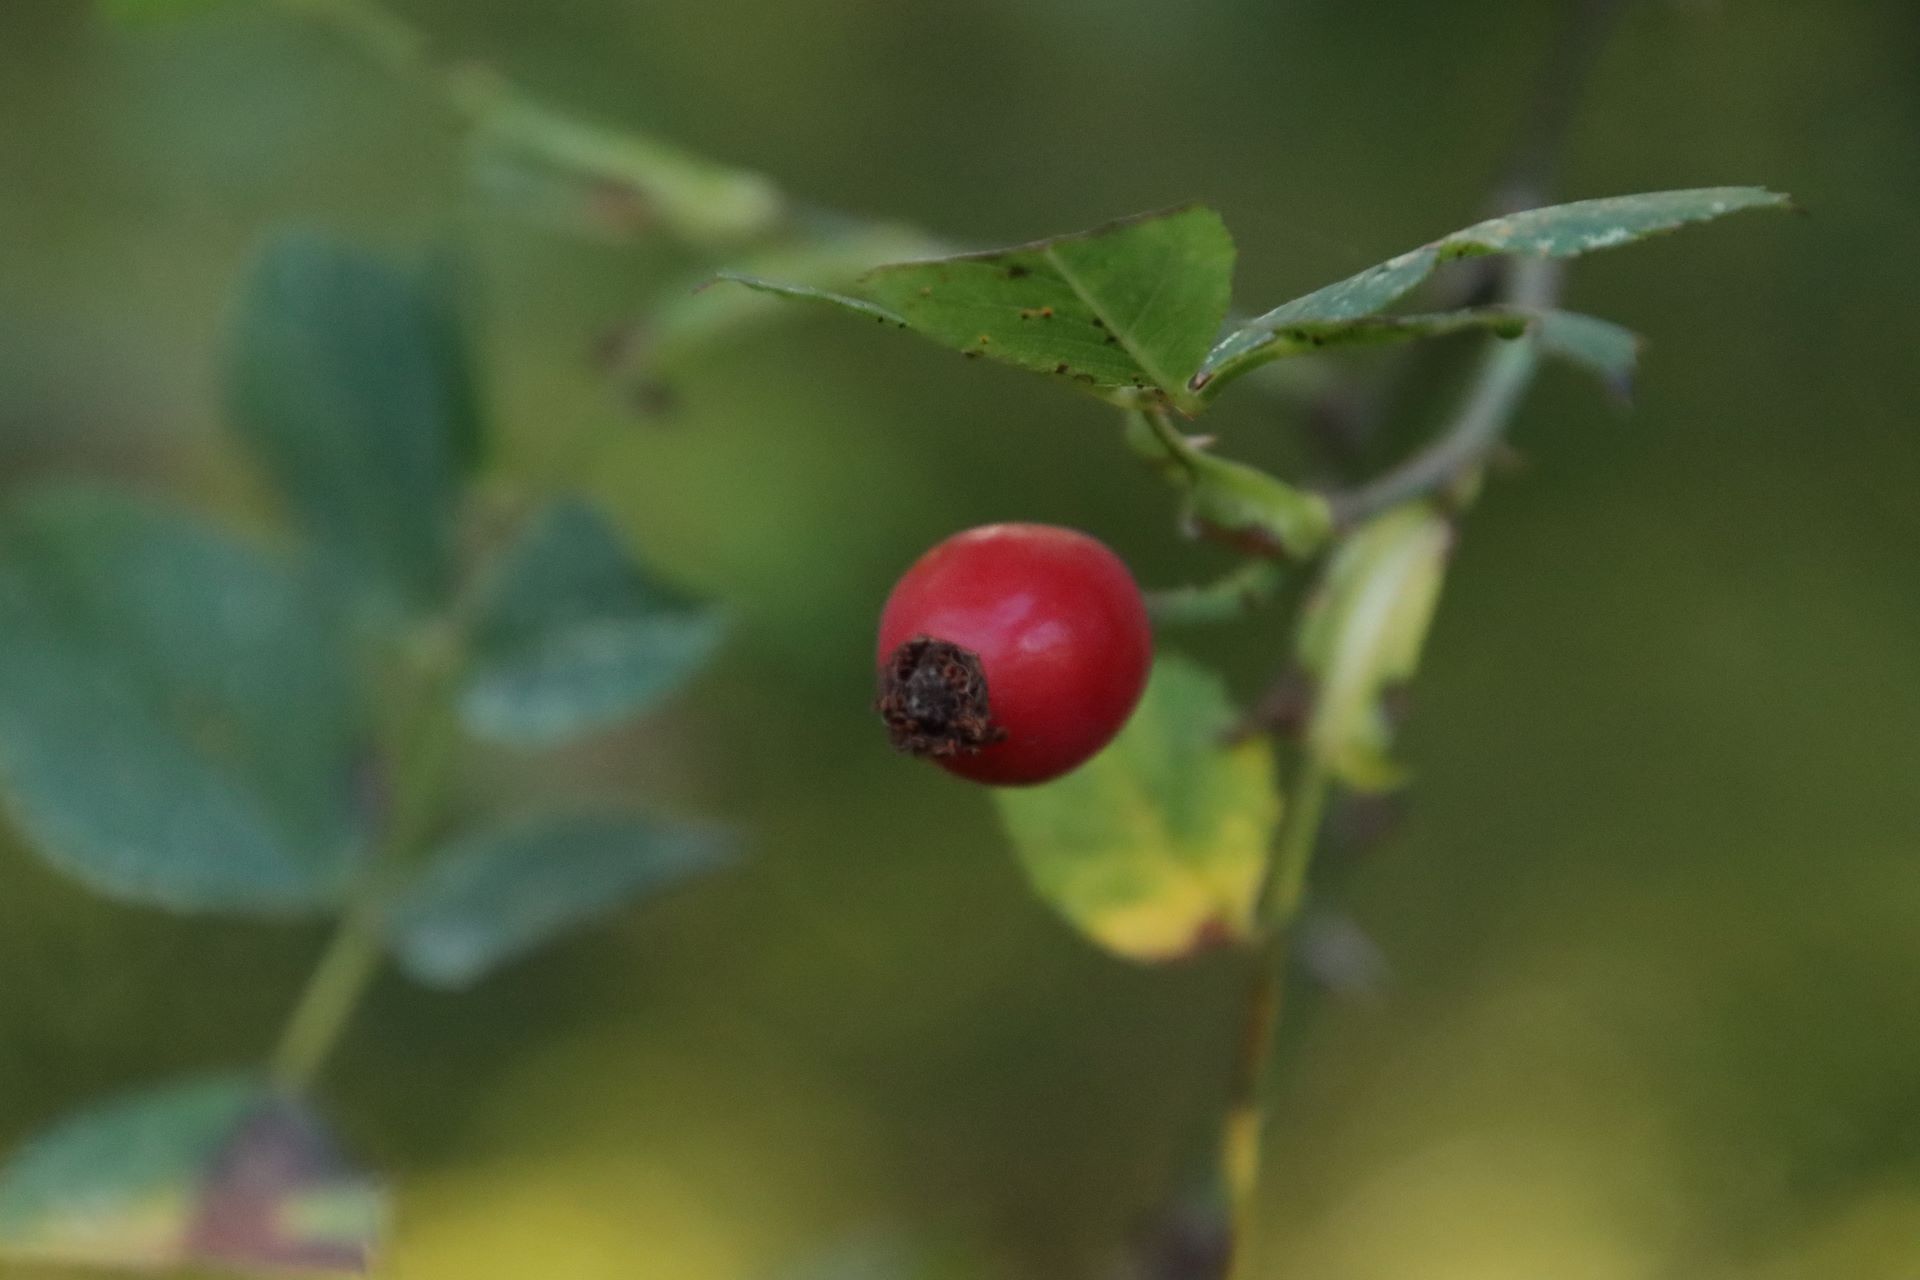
column 346, row 969
column 1242, row 1128
column 1293, row 852
column 1152, row 435
column 1495, row 393
column 1226, row 599
column 423, row 754
column 1557, row 96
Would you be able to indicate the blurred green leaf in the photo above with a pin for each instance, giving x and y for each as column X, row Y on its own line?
column 576, row 635
column 1156, row 847
column 1119, row 309
column 493, row 895
column 689, row 319
column 1600, row 347
column 118, row 1184
column 1362, row 633
column 213, row 1171
column 1559, row 231
column 178, row 724
column 1606, row 350
column 613, row 182
column 351, row 385
column 1308, row 337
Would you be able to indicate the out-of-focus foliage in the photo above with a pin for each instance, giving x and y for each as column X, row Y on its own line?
column 192, row 724
column 573, row 635
column 351, row 386
column 1656, row 890
column 219, row 1169
column 496, row 894
column 178, row 724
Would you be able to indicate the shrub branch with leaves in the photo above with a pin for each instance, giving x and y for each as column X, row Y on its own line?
column 192, row 721
column 201, row 722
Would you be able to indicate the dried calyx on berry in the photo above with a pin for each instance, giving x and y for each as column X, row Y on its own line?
column 933, row 698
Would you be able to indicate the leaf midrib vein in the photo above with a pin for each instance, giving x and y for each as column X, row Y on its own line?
column 1124, row 338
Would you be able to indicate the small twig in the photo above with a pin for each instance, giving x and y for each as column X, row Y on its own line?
column 333, row 992
column 1350, row 413
column 1286, row 884
column 1244, row 1121
column 1280, row 900
column 1477, row 429
column 1454, row 457
column 1534, row 165
column 1226, row 599
column 424, row 749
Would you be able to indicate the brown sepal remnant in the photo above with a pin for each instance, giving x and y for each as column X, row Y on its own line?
column 933, row 696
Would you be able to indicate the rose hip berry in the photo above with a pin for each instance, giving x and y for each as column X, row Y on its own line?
column 1011, row 653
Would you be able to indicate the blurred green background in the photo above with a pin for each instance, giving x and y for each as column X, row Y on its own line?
column 1654, row 916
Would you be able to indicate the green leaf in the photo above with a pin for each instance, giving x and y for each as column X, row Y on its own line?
column 1156, row 847
column 1307, row 337
column 178, row 722
column 687, row 320
column 493, row 895
column 1559, row 231
column 352, row 386
column 1606, row 350
column 814, row 293
column 215, row 1171
column 613, row 182
column 1120, row 309
column 576, row 635
column 1362, row 634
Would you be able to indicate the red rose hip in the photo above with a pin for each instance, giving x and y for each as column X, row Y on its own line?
column 1011, row 653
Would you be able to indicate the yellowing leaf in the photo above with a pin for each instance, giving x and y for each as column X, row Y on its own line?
column 215, row 1171
column 1155, row 848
